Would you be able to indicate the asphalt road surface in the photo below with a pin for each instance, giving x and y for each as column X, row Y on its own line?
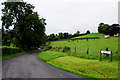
column 29, row 66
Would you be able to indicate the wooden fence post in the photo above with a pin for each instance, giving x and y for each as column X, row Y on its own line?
column 111, row 56
column 87, row 50
column 75, row 49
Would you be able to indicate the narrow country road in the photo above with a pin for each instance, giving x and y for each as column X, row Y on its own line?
column 29, row 66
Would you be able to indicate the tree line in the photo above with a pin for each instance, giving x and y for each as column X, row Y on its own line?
column 66, row 35
column 109, row 29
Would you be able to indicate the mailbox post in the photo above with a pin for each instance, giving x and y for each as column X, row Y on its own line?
column 105, row 52
column 111, row 56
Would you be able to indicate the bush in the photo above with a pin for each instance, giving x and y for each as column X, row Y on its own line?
column 6, row 51
column 49, row 47
column 63, row 49
column 60, row 49
column 66, row 49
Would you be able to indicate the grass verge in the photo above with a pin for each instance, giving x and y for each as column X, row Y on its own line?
column 50, row 55
column 84, row 67
column 8, row 56
column 10, row 52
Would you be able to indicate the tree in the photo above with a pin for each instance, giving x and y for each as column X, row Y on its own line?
column 100, row 27
column 103, row 28
column 66, row 35
column 6, row 40
column 106, row 29
column 76, row 34
column 28, row 29
column 52, row 37
column 88, row 32
column 109, row 29
column 70, row 35
column 114, row 29
column 60, row 35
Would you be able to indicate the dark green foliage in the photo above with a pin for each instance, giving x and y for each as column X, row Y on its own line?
column 61, row 49
column 114, row 29
column 60, row 35
column 52, row 37
column 103, row 28
column 49, row 47
column 66, row 35
column 100, row 28
column 70, row 35
column 66, row 49
column 57, row 48
column 109, row 29
column 88, row 32
column 6, row 38
column 76, row 34
column 8, row 51
column 28, row 30
column 82, row 34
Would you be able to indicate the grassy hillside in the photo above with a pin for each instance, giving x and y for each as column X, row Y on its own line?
column 92, row 46
column 100, row 35
column 81, row 63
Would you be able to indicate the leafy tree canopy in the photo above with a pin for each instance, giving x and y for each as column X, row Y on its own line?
column 28, row 30
column 88, row 32
column 109, row 29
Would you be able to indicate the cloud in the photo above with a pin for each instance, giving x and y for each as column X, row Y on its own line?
column 72, row 15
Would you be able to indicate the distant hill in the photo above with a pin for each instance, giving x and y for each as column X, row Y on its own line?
column 100, row 35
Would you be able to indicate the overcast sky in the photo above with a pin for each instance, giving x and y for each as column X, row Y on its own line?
column 75, row 15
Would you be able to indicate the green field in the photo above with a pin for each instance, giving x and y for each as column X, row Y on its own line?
column 81, row 63
column 92, row 46
column 100, row 35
